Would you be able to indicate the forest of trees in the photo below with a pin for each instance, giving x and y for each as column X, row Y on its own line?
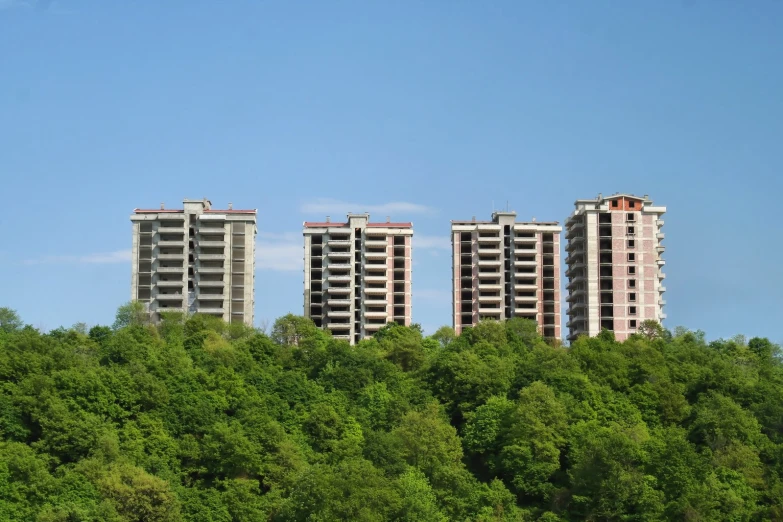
column 193, row 419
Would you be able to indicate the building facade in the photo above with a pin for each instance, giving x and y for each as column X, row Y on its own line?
column 357, row 275
column 503, row 269
column 195, row 260
column 615, row 268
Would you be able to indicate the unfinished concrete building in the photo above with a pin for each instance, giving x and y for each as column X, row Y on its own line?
column 195, row 260
column 503, row 269
column 357, row 275
column 614, row 258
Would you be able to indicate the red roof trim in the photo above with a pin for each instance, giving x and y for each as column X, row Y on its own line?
column 157, row 211
column 230, row 211
column 317, row 224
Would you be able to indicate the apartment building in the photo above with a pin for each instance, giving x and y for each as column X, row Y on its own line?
column 615, row 276
column 195, row 260
column 357, row 275
column 503, row 269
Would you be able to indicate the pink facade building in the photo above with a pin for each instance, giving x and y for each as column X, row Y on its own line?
column 357, row 275
column 615, row 277
column 503, row 269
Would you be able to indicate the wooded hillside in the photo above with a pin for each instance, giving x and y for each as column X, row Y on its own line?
column 198, row 420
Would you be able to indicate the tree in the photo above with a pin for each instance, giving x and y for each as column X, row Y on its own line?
column 10, row 320
column 444, row 335
column 129, row 314
column 651, row 329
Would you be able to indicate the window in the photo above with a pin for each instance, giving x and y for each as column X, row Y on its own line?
column 632, row 270
column 631, row 243
column 632, row 283
column 630, row 231
column 632, row 297
column 632, row 204
column 630, row 217
column 631, row 257
column 632, row 323
column 631, row 310
column 615, row 203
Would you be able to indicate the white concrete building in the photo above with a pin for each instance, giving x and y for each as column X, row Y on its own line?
column 615, row 276
column 503, row 269
column 195, row 260
column 357, row 275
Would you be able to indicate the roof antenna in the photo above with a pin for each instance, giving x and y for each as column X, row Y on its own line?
column 230, row 206
column 162, row 206
column 506, row 205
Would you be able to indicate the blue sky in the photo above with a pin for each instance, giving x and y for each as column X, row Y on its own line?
column 424, row 111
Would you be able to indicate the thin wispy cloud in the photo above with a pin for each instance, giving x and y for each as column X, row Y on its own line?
column 118, row 256
column 396, row 209
column 279, row 252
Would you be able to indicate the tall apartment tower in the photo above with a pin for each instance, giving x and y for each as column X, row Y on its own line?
column 357, row 275
column 195, row 260
column 615, row 277
column 503, row 269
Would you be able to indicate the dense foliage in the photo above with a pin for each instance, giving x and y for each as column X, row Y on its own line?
column 197, row 420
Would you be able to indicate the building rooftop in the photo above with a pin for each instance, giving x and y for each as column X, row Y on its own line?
column 330, row 224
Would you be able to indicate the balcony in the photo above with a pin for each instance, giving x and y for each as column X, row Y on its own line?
column 170, row 230
column 489, row 251
column 170, row 270
column 489, row 298
column 336, row 278
column 660, row 249
column 575, row 293
column 661, row 275
column 525, row 298
column 660, row 236
column 525, row 287
column 170, row 243
column 338, row 255
column 376, row 278
column 660, row 262
column 376, row 243
column 525, row 262
column 211, row 257
column 375, row 290
column 211, row 297
column 339, row 289
column 212, row 244
column 662, row 302
column 211, row 284
column 661, row 289
column 170, row 284
column 339, row 266
column 518, row 239
column 574, row 228
column 375, row 301
column 338, row 313
column 210, row 270
column 376, row 315
column 338, row 326
column 374, row 327
column 211, row 227
column 210, row 310
column 659, row 222
column 376, row 255
column 490, row 286
column 489, row 262
column 489, row 239
column 171, row 257
column 525, row 311
column 490, row 311
column 338, row 301
column 169, row 297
